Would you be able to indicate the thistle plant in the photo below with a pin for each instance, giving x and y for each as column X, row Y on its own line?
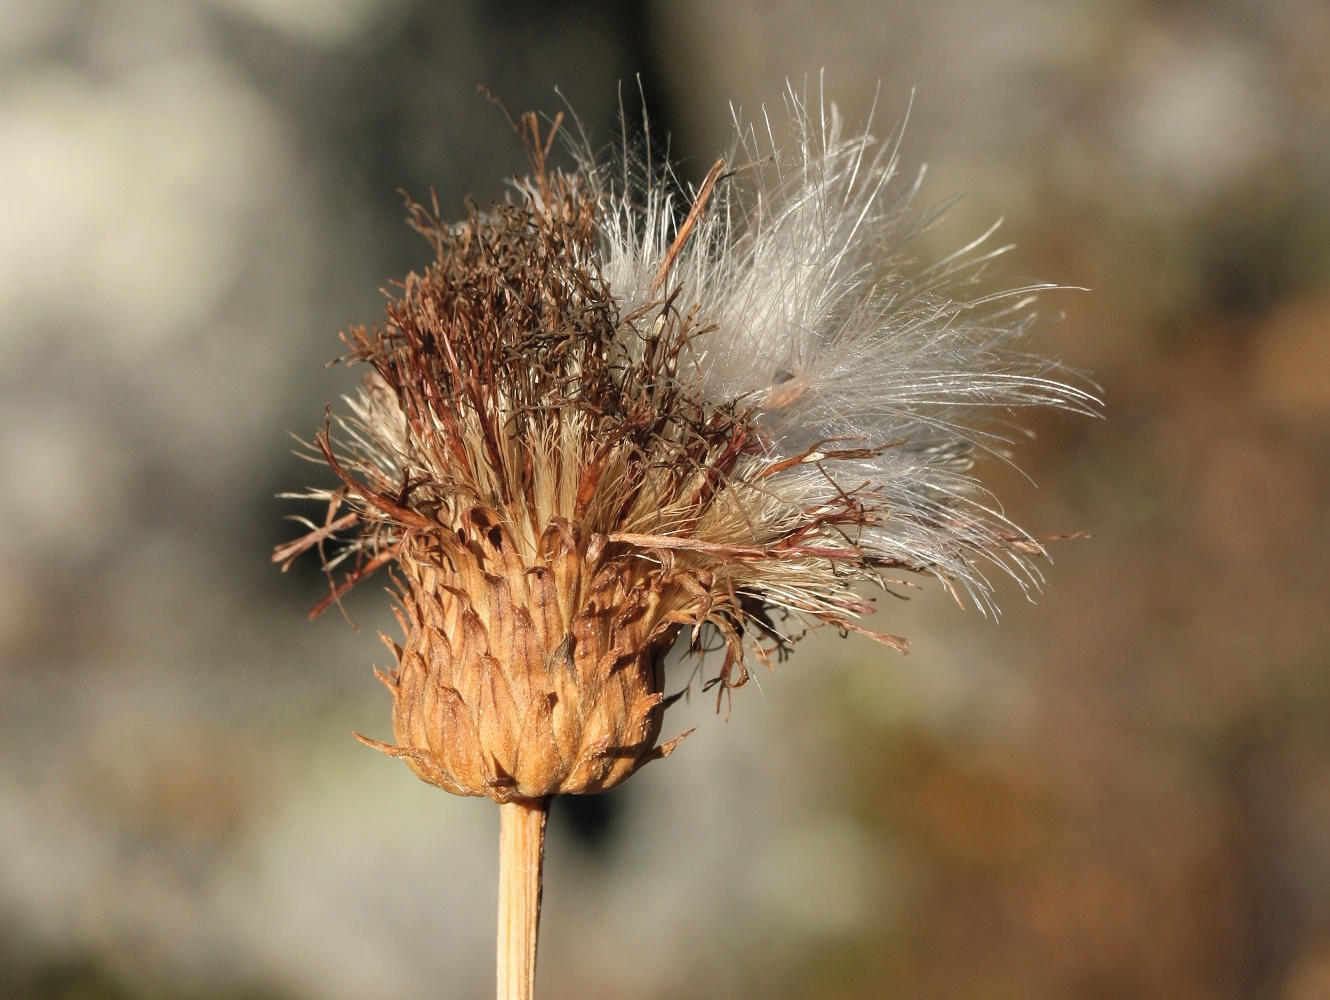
column 612, row 412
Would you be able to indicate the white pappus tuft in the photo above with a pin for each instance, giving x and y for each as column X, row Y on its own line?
column 872, row 375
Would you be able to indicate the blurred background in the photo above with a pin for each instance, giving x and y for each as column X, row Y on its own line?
column 1122, row 790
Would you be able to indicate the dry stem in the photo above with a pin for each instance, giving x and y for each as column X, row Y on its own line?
column 521, row 856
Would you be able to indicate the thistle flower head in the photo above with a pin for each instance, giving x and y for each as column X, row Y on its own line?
column 605, row 415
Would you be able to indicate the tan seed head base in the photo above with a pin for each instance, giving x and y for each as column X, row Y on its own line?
column 523, row 678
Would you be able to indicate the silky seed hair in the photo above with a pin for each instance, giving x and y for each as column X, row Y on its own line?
column 745, row 395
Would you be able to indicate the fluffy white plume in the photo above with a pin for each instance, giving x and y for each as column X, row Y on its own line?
column 881, row 374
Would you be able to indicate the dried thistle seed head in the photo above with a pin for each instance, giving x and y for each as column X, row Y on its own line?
column 594, row 421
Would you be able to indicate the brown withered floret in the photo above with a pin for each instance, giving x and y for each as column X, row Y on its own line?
column 519, row 434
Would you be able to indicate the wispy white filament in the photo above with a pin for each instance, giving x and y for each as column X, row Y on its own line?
column 823, row 321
